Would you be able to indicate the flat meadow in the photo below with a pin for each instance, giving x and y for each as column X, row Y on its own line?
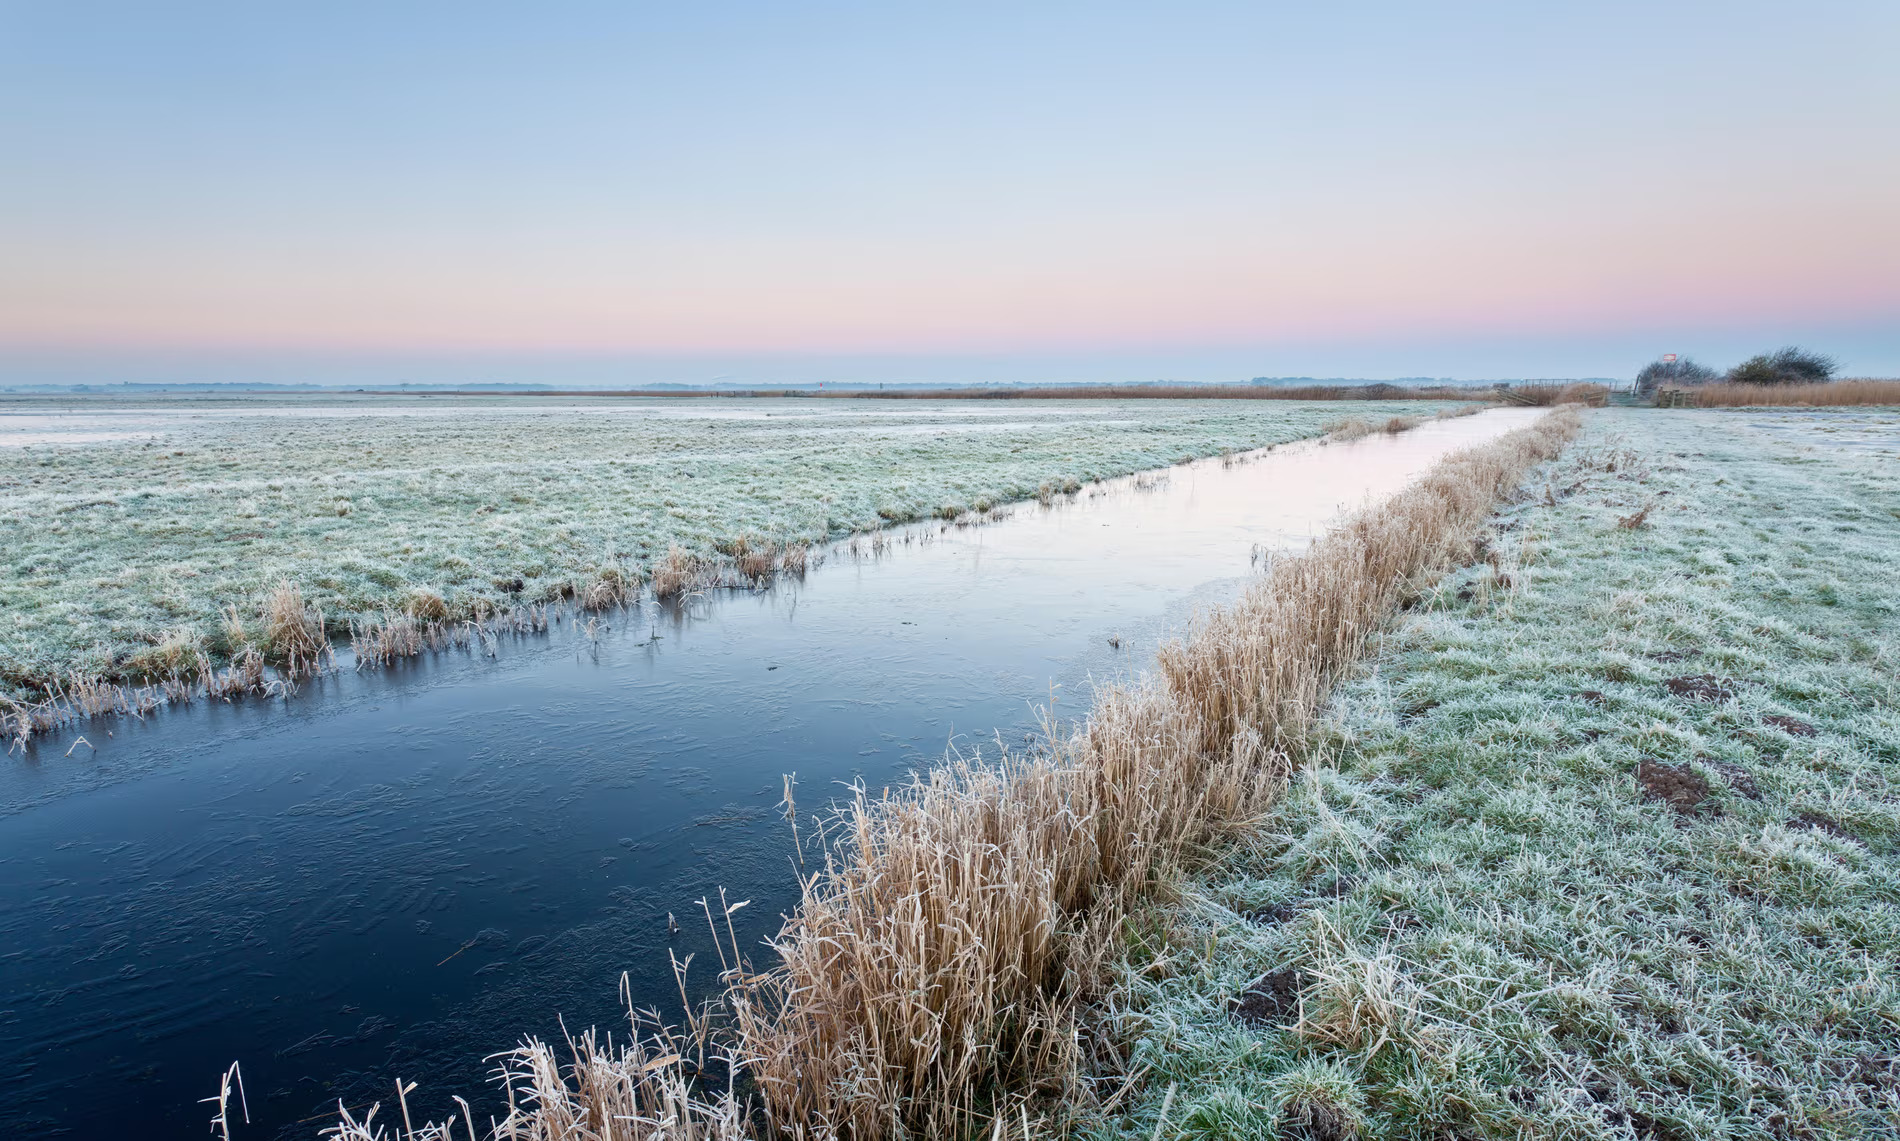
column 1600, row 840
column 136, row 534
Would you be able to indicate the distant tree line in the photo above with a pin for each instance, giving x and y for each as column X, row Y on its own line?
column 1789, row 365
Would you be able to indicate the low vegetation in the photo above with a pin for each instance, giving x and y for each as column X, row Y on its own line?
column 273, row 525
column 1601, row 842
column 1836, row 393
column 936, row 978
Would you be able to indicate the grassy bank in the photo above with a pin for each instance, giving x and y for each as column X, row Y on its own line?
column 936, row 978
column 1602, row 842
column 134, row 554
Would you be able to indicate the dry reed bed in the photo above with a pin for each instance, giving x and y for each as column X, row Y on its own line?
column 937, row 971
column 1834, row 393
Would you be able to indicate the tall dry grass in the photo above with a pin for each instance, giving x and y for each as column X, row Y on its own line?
column 293, row 631
column 944, row 953
column 1551, row 395
column 1832, row 394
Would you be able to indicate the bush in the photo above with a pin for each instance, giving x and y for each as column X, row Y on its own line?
column 1788, row 365
column 1657, row 373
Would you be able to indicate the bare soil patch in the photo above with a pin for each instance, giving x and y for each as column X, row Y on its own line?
column 1701, row 687
column 1678, row 786
column 1272, row 1000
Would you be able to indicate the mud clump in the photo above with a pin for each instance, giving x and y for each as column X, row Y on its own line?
column 1701, row 687
column 1740, row 781
column 1314, row 1118
column 1825, row 824
column 1272, row 1000
column 1792, row 726
column 1675, row 785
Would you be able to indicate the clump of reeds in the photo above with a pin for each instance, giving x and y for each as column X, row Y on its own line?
column 378, row 642
column 755, row 559
column 293, row 631
column 1351, row 428
column 675, row 573
column 611, row 587
column 1052, row 489
column 1831, row 394
column 635, row 1090
column 425, row 604
column 794, row 559
column 244, row 675
column 945, row 951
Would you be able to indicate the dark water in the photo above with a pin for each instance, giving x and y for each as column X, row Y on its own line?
column 403, row 872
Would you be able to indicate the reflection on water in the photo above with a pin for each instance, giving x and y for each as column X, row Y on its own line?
column 401, row 872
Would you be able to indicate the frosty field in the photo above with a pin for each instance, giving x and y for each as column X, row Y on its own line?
column 125, row 523
column 1602, row 842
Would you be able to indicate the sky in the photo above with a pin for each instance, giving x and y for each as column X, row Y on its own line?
column 611, row 193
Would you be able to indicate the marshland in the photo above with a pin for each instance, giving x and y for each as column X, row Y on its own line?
column 152, row 541
column 994, row 572
column 402, row 869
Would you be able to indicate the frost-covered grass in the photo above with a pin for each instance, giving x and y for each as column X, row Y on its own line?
column 114, row 548
column 1526, row 887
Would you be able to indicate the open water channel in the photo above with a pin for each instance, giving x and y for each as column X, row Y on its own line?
column 404, row 871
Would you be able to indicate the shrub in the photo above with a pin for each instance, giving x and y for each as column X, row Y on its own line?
column 1788, row 365
column 1657, row 373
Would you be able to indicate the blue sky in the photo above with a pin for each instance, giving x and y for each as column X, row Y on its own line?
column 609, row 193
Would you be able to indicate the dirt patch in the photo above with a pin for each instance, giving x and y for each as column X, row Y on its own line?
column 1740, row 781
column 1701, row 687
column 1312, row 1118
column 1272, row 1000
column 1678, row 786
column 1792, row 726
column 1593, row 696
column 1825, row 824
column 1277, row 913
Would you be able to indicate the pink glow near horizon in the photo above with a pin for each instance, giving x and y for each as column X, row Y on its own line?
column 1184, row 182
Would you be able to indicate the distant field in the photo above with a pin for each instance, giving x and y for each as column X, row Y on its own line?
column 120, row 521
